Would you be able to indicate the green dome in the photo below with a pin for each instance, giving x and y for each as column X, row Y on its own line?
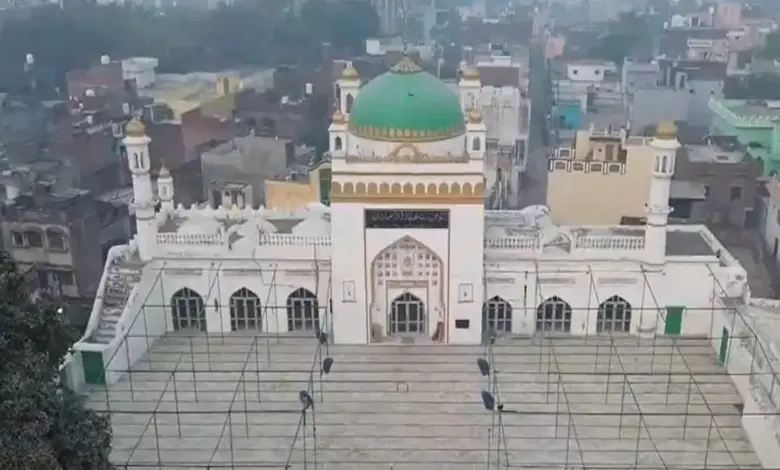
column 406, row 104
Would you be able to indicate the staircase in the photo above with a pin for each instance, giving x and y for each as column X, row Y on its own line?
column 123, row 275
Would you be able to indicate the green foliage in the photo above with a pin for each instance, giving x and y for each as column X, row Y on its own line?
column 184, row 39
column 44, row 425
column 771, row 49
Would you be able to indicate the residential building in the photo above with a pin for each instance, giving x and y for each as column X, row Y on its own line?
column 755, row 124
column 716, row 183
column 695, row 43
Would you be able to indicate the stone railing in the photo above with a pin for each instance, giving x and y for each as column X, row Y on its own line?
column 245, row 213
column 293, row 240
column 190, row 239
column 527, row 243
column 609, row 242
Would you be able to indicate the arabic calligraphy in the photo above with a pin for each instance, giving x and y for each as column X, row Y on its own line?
column 407, row 218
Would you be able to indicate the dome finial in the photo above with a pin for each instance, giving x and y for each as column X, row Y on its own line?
column 406, row 65
column 350, row 72
column 474, row 116
column 164, row 172
column 666, row 130
column 135, row 128
column 338, row 116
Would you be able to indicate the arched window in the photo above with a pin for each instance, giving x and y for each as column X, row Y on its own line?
column 614, row 316
column 337, row 143
column 350, row 100
column 407, row 315
column 497, row 316
column 553, row 316
column 187, row 310
column 245, row 313
column 476, row 144
column 137, row 158
column 302, row 311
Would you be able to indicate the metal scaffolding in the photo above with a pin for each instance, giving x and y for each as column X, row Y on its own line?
column 557, row 401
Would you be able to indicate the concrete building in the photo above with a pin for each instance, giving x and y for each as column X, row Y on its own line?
column 755, row 125
column 676, row 90
column 63, row 236
column 235, row 172
column 406, row 258
column 719, row 181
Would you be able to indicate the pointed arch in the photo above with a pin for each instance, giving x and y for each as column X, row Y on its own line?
column 407, row 315
column 303, row 311
column 350, row 102
column 553, row 316
column 338, row 144
column 614, row 316
column 405, row 258
column 187, row 310
column 476, row 144
column 245, row 311
column 496, row 317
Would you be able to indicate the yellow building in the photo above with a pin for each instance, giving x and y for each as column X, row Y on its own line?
column 215, row 96
column 294, row 195
column 603, row 179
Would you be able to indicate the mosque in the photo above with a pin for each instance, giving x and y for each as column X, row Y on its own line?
column 394, row 257
column 406, row 253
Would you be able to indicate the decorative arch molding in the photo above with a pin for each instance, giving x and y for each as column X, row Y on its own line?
column 390, row 192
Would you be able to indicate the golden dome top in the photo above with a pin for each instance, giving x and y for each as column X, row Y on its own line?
column 338, row 117
column 350, row 72
column 470, row 73
column 135, row 128
column 474, row 116
column 666, row 130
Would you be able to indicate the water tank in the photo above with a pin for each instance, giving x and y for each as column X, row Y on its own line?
column 309, row 88
column 105, row 60
column 29, row 59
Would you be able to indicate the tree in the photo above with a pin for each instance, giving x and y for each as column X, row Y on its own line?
column 622, row 37
column 45, row 426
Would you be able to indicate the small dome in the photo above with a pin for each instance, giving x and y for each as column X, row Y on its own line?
column 338, row 117
column 406, row 104
column 350, row 72
column 470, row 73
column 666, row 130
column 314, row 226
column 135, row 128
column 474, row 116
column 164, row 173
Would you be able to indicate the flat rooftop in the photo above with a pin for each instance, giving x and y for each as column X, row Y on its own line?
column 598, row 402
column 755, row 108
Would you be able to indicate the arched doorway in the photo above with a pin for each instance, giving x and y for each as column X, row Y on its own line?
column 553, row 316
column 187, row 310
column 614, row 316
column 407, row 315
column 496, row 317
column 245, row 313
column 303, row 311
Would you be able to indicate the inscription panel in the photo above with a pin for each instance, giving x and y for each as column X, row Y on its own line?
column 407, row 218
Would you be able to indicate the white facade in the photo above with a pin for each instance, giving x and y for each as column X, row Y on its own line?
column 407, row 253
column 588, row 71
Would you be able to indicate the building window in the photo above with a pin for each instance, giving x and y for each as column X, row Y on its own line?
column 17, row 238
column 706, row 191
column 56, row 240
column 476, row 144
column 33, row 238
column 736, row 193
column 64, row 278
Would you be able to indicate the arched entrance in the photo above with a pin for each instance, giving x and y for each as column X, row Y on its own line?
column 303, row 311
column 614, row 316
column 245, row 311
column 553, row 316
column 407, row 280
column 496, row 317
column 187, row 310
column 407, row 315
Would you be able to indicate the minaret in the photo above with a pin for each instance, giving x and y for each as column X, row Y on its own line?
column 470, row 88
column 137, row 145
column 338, row 135
column 165, row 189
column 476, row 133
column 665, row 147
column 349, row 85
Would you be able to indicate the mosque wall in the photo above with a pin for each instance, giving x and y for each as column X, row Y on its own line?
column 360, row 146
